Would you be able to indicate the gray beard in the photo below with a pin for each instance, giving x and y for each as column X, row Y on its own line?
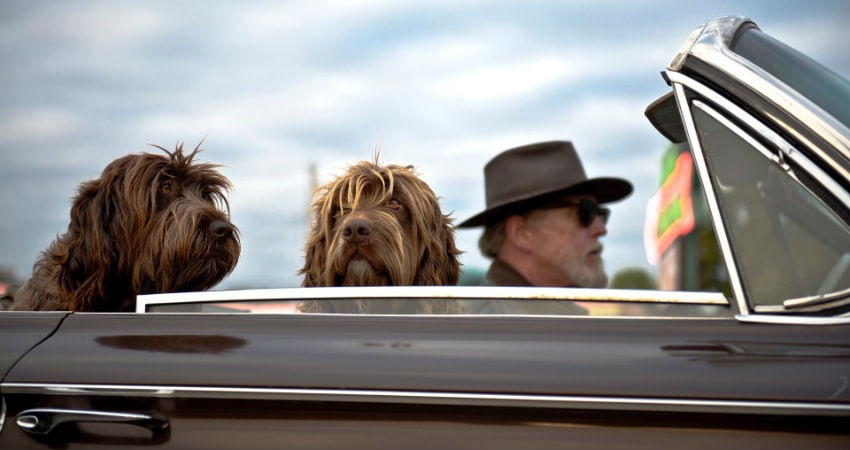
column 588, row 278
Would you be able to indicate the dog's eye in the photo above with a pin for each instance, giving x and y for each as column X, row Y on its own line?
column 165, row 187
column 395, row 203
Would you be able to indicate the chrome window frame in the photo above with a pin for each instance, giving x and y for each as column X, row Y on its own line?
column 680, row 84
column 708, row 190
column 434, row 292
column 710, row 44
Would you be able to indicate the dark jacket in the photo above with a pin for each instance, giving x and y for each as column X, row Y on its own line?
column 501, row 273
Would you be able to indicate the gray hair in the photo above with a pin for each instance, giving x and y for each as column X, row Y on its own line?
column 491, row 241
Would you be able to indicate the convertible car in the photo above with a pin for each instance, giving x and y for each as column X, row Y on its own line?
column 765, row 364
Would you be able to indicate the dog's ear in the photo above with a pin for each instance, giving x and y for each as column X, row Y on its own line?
column 318, row 243
column 313, row 265
column 440, row 264
column 97, row 235
column 85, row 250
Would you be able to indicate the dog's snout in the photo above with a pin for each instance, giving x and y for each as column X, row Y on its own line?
column 357, row 231
column 220, row 228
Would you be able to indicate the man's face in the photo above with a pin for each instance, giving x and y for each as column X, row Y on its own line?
column 569, row 253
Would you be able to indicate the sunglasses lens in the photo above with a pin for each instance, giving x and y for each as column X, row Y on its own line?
column 588, row 210
column 604, row 213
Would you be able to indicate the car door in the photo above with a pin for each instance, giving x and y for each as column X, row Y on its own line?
column 349, row 381
column 22, row 331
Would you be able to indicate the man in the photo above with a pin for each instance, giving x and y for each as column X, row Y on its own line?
column 542, row 219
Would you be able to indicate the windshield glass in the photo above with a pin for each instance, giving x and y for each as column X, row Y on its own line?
column 788, row 244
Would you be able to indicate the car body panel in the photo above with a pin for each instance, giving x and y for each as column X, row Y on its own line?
column 675, row 359
column 205, row 423
column 363, row 381
column 21, row 331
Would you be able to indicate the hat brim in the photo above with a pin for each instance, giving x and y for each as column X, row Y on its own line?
column 605, row 190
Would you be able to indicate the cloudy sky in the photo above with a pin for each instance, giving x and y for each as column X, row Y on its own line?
column 275, row 87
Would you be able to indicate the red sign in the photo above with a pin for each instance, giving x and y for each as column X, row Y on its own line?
column 670, row 212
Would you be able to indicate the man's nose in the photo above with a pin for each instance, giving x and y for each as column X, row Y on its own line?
column 598, row 227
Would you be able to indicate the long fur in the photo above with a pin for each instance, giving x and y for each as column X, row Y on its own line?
column 151, row 223
column 410, row 241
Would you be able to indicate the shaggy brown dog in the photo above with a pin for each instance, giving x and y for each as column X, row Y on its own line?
column 150, row 224
column 378, row 226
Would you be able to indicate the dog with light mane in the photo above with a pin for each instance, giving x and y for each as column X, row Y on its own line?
column 379, row 225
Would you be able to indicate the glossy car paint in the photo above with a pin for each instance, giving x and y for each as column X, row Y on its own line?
column 22, row 331
column 365, row 381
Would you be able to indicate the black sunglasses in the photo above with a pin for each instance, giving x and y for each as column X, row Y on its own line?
column 587, row 210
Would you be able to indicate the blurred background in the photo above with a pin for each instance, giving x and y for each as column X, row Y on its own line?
column 286, row 94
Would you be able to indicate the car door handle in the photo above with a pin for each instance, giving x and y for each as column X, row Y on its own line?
column 42, row 421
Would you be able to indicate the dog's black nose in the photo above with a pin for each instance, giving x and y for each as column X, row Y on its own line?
column 220, row 228
column 357, row 231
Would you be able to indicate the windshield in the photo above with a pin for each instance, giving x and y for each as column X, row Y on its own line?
column 788, row 243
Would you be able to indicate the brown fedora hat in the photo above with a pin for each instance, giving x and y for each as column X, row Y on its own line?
column 524, row 177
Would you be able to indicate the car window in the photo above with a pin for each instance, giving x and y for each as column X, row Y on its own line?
column 787, row 242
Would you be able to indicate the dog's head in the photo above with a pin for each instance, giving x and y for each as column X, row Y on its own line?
column 379, row 226
column 150, row 223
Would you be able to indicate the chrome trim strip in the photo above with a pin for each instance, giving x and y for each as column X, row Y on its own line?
column 439, row 398
column 711, row 48
column 448, row 292
column 708, row 189
column 2, row 411
column 788, row 151
column 792, row 320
